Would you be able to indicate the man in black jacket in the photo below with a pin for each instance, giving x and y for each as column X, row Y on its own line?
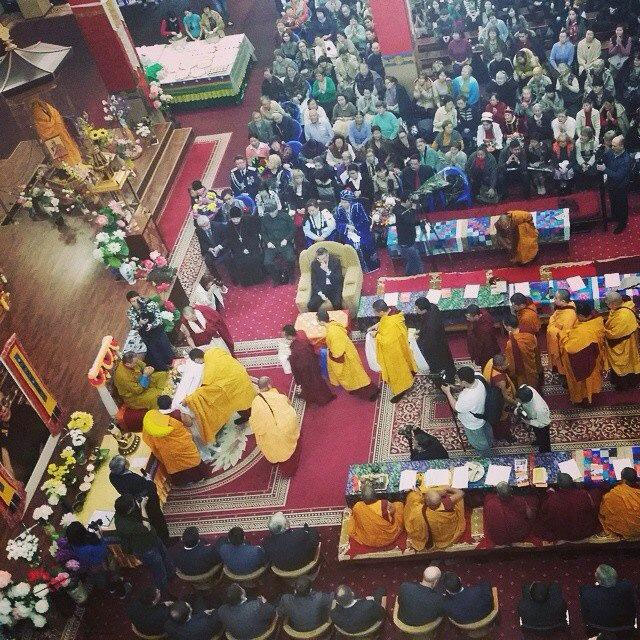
column 355, row 615
column 542, row 606
column 284, row 127
column 432, row 339
column 405, row 212
column 421, row 602
column 148, row 613
column 608, row 603
column 186, row 624
column 194, row 557
column 211, row 240
column 289, row 549
column 244, row 618
column 272, row 87
column 305, row 610
column 465, row 605
column 414, row 175
column 244, row 179
column 326, row 281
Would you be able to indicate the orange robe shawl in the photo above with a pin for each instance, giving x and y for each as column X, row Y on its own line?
column 170, row 442
column 582, row 354
column 523, row 237
column 445, row 527
column 373, row 526
column 415, row 523
column 561, row 321
column 620, row 511
column 226, row 388
column 523, row 356
column 528, row 320
column 397, row 366
column 621, row 344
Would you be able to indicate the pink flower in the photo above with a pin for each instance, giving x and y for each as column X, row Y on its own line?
column 163, row 286
column 161, row 261
column 5, row 579
column 72, row 565
column 154, row 255
column 101, row 220
column 157, row 104
column 154, row 91
column 121, row 223
column 169, row 306
column 147, row 264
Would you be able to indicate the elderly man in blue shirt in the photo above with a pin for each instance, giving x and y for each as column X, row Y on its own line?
column 359, row 133
column 318, row 129
column 562, row 51
column 616, row 167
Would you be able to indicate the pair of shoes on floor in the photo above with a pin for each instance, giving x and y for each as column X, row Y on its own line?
column 620, row 228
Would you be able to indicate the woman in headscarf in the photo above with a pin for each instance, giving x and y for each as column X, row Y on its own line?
column 354, row 228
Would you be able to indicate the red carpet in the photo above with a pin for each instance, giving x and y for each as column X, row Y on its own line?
column 178, row 203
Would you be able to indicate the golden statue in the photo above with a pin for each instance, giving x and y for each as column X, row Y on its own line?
column 54, row 135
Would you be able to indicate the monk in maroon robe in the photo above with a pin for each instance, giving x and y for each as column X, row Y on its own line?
column 482, row 340
column 507, row 518
column 305, row 367
column 201, row 324
column 568, row 512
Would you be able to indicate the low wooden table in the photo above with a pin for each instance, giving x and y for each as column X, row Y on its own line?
column 315, row 331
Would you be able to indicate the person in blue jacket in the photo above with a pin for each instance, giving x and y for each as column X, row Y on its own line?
column 354, row 228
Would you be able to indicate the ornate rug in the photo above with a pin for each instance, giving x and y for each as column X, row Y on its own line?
column 613, row 420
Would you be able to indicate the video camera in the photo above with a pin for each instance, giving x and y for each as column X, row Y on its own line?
column 439, row 379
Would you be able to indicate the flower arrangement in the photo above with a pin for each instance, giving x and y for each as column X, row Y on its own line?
column 40, row 199
column 115, row 109
column 24, row 547
column 208, row 204
column 143, row 129
column 169, row 314
column 159, row 273
column 159, row 99
column 42, row 512
column 111, row 247
column 80, row 421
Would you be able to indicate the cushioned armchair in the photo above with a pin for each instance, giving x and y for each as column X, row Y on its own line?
column 351, row 272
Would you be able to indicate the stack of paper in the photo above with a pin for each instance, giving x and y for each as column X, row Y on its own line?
column 391, row 298
column 612, row 280
column 499, row 287
column 408, row 479
column 496, row 474
column 437, row 478
column 434, row 295
column 523, row 288
column 576, row 283
column 471, row 291
column 460, row 479
column 570, row 467
column 619, row 464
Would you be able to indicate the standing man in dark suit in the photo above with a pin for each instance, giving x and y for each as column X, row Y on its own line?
column 421, row 602
column 194, row 557
column 616, row 167
column 355, row 615
column 186, row 624
column 289, row 549
column 211, row 240
column 305, row 610
column 542, row 606
column 143, row 489
column 414, row 175
column 244, row 618
column 610, row 602
column 326, row 281
column 244, row 179
column 465, row 605
column 148, row 612
column 406, row 213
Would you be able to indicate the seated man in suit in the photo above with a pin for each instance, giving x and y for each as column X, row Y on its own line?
column 305, row 609
column 210, row 236
column 289, row 549
column 244, row 618
column 542, row 606
column 355, row 615
column 239, row 556
column 326, row 281
column 421, row 602
column 186, row 624
column 148, row 612
column 609, row 602
column 466, row 605
column 194, row 557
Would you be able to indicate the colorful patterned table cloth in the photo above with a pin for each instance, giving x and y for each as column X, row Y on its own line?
column 203, row 69
column 583, row 458
column 477, row 234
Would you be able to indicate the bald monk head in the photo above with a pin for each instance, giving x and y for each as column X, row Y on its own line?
column 264, row 383
column 629, row 476
column 431, row 576
column 367, row 492
column 503, row 490
column 562, row 298
column 500, row 362
column 564, row 481
column 584, row 309
column 612, row 299
column 432, row 499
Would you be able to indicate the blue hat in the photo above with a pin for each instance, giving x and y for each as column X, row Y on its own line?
column 347, row 195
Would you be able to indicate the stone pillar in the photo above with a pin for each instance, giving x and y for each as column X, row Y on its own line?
column 110, row 44
column 394, row 33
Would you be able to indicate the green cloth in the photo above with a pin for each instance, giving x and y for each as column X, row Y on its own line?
column 152, row 71
column 329, row 93
column 277, row 229
column 388, row 124
column 134, row 537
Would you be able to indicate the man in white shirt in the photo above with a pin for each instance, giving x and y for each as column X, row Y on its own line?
column 318, row 130
column 563, row 123
column 534, row 411
column 469, row 407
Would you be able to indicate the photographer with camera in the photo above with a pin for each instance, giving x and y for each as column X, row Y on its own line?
column 534, row 412
column 469, row 407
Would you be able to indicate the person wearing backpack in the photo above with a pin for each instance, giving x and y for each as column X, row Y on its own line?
column 471, row 408
column 534, row 411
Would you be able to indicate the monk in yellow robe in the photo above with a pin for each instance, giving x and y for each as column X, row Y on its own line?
column 523, row 355
column 621, row 341
column 137, row 385
column 374, row 522
column 397, row 365
column 274, row 423
column 171, row 442
column 562, row 320
column 582, row 354
column 53, row 132
column 516, row 234
column 225, row 388
column 343, row 360
column 526, row 312
column 620, row 507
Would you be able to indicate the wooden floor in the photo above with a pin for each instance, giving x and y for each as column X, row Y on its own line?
column 63, row 302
